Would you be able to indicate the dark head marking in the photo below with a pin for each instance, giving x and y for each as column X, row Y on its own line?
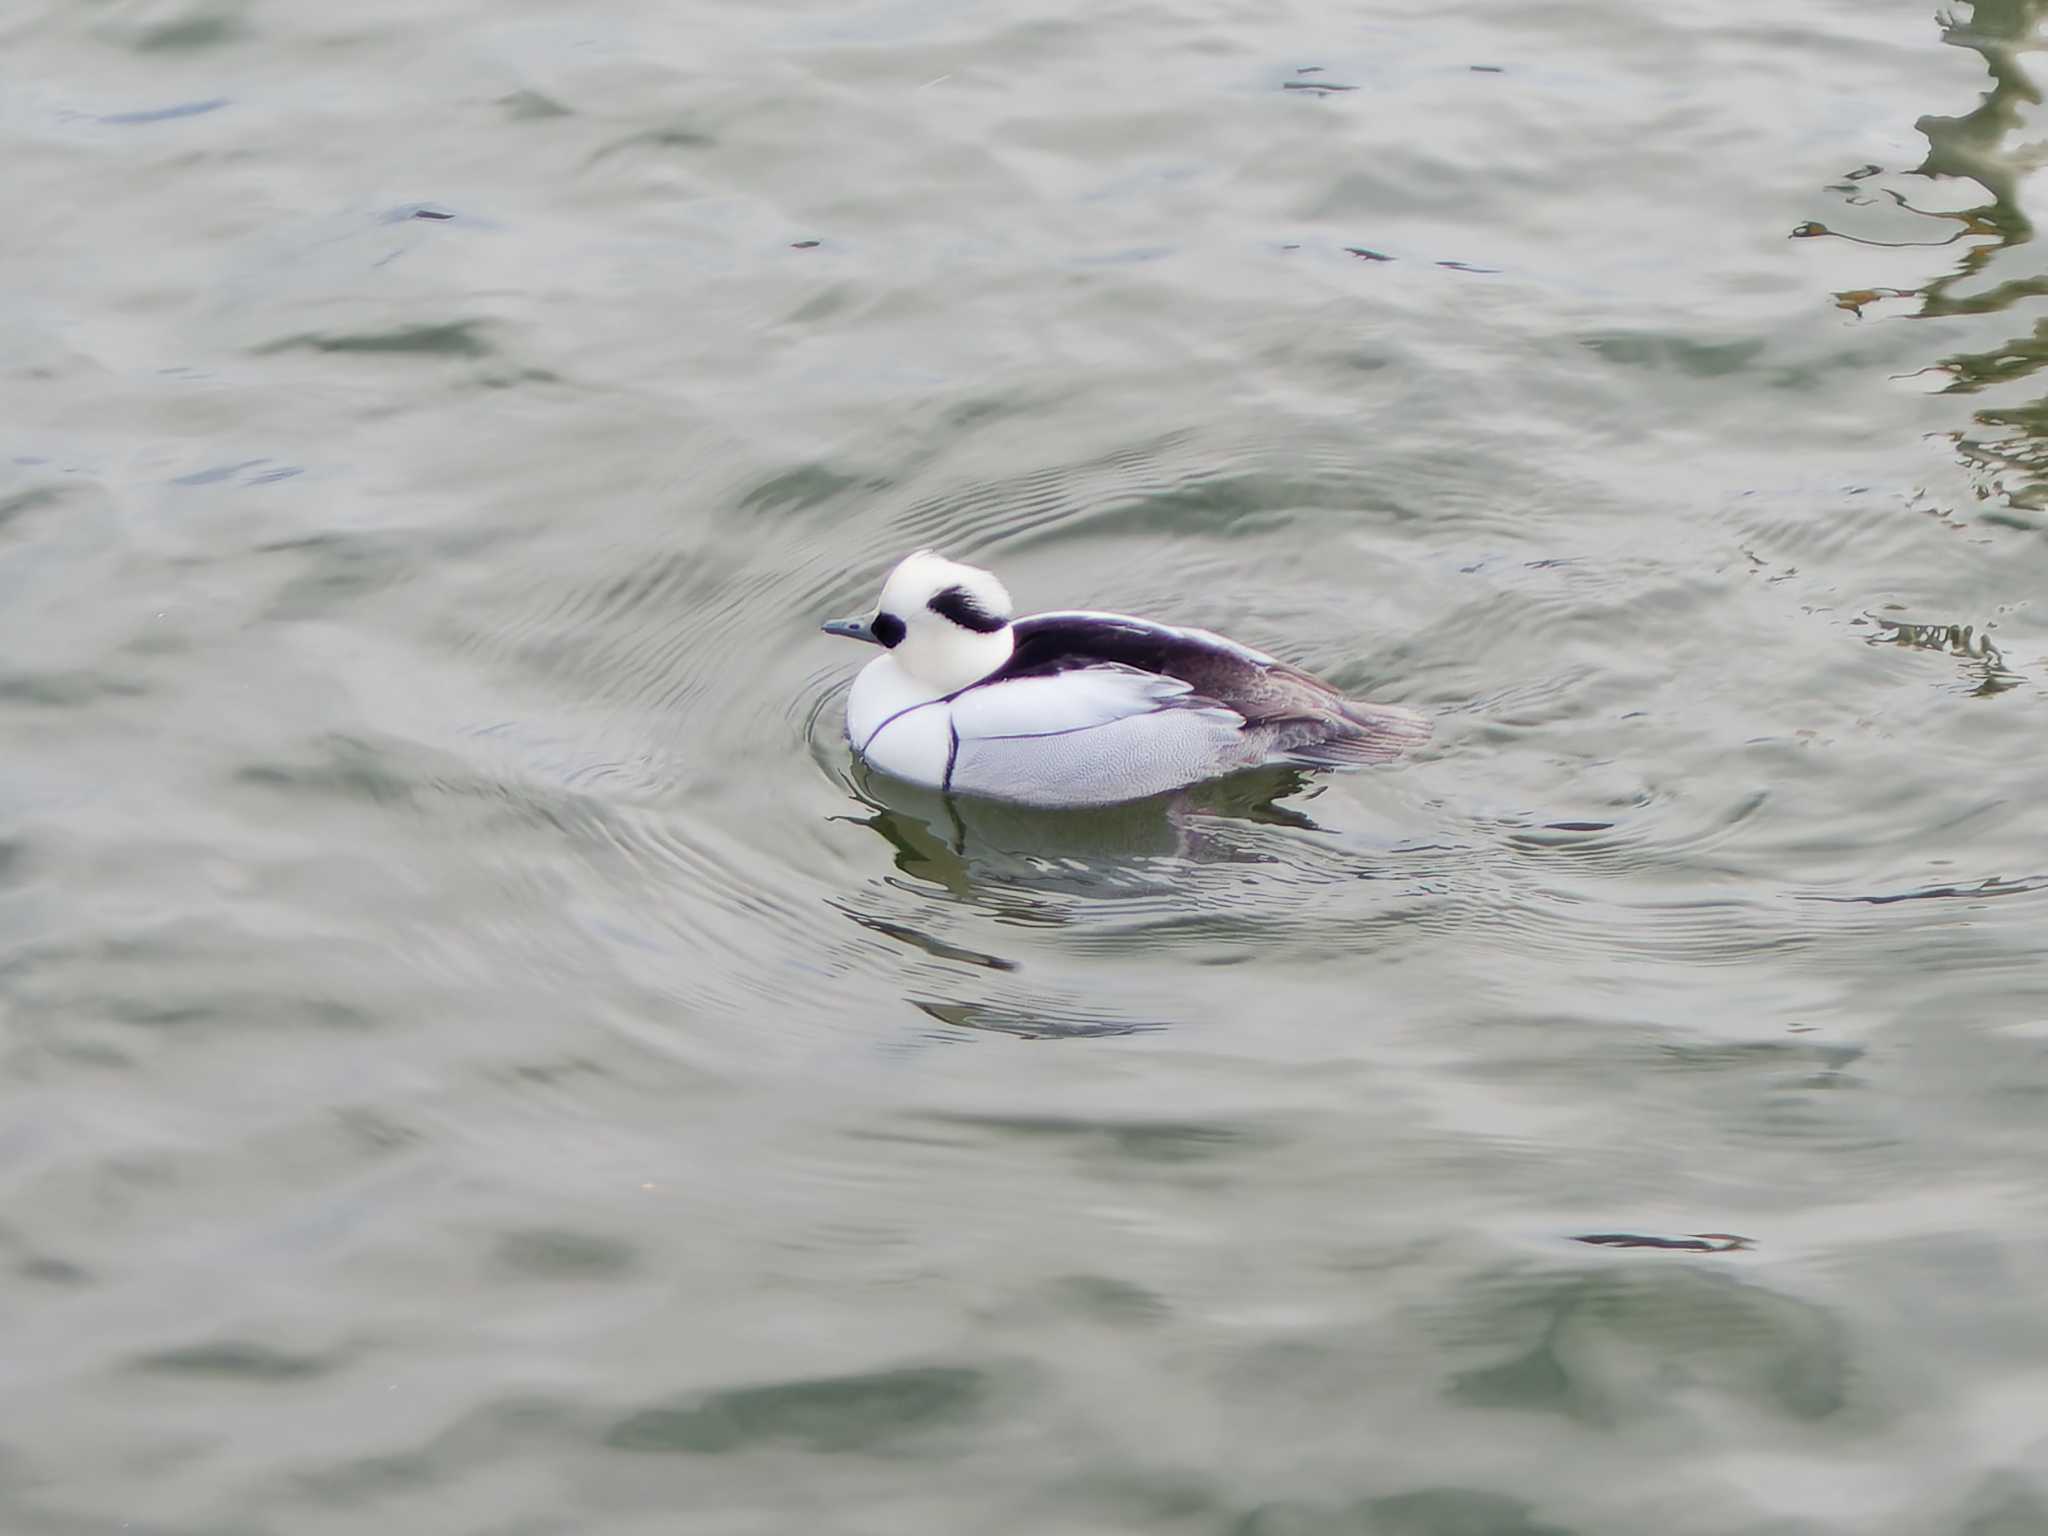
column 959, row 605
column 888, row 630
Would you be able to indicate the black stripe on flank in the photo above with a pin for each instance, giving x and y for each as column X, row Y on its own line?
column 959, row 605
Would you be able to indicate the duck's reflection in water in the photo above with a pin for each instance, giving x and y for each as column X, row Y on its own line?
column 977, row 849
column 1017, row 866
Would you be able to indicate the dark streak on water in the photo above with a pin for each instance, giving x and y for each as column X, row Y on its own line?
column 164, row 114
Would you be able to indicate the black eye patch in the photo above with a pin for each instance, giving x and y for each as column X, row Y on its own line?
column 888, row 630
column 958, row 604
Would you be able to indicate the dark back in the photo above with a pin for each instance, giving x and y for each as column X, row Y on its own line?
column 1256, row 686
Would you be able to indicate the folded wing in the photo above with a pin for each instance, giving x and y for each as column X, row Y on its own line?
column 1294, row 714
column 1103, row 707
column 1092, row 735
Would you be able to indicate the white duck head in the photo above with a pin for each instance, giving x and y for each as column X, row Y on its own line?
column 943, row 623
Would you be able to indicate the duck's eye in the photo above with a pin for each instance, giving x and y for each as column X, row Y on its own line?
column 888, row 630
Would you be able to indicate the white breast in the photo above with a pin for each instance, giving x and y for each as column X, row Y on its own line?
column 898, row 724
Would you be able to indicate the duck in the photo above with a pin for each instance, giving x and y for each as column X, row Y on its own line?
column 1078, row 708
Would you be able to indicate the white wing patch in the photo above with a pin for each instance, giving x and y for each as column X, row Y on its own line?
column 1070, row 701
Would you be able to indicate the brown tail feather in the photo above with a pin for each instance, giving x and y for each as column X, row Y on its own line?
column 1378, row 733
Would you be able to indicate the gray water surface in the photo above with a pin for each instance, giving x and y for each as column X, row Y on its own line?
column 475, row 1055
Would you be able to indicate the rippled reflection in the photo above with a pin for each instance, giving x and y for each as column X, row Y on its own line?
column 962, row 843
column 2008, row 453
column 1994, row 676
column 1026, row 868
